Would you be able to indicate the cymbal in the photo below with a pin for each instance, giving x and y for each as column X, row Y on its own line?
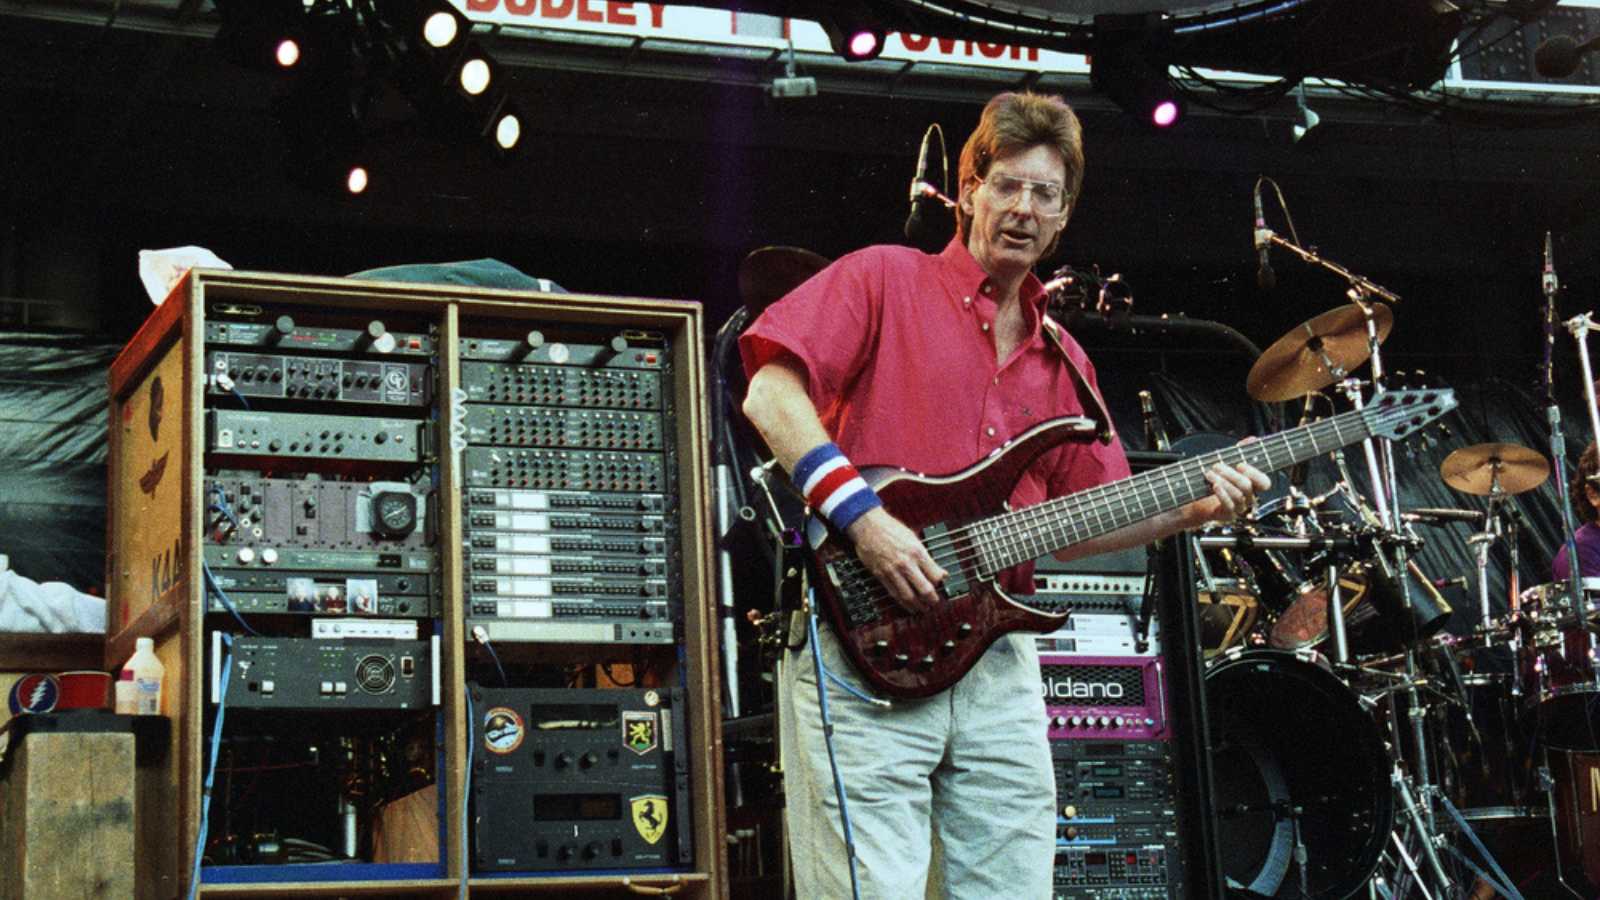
column 768, row 273
column 1473, row 469
column 1295, row 366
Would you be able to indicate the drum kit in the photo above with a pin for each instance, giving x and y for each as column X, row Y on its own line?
column 1357, row 747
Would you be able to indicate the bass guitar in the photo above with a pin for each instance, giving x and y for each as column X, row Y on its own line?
column 967, row 527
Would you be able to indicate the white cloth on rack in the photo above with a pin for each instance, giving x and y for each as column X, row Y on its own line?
column 53, row 607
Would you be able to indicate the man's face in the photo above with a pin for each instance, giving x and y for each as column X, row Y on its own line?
column 1007, row 236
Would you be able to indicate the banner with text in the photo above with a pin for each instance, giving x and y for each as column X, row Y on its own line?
column 661, row 21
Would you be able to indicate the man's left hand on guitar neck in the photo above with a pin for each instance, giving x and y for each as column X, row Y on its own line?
column 1233, row 495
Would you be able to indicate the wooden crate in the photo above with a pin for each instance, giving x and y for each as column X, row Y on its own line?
column 155, row 589
column 82, row 809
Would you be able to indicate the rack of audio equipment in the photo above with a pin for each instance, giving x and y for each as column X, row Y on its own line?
column 476, row 425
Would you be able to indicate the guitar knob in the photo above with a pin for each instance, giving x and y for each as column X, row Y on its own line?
column 900, row 659
column 965, row 629
column 947, row 646
column 927, row 661
column 878, row 648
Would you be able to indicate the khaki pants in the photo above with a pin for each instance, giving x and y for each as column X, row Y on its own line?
column 969, row 767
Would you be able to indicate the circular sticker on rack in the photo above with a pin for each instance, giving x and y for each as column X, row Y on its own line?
column 503, row 730
column 651, row 698
column 34, row 694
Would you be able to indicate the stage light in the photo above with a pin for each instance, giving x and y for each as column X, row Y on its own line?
column 1135, row 83
column 863, row 45
column 439, row 29
column 263, row 34
column 507, row 130
column 431, row 29
column 288, row 52
column 322, row 120
column 474, row 75
column 853, row 33
column 502, row 130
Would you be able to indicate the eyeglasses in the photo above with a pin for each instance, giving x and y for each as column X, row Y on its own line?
column 1049, row 198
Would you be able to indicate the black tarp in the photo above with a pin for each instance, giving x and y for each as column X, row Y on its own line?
column 53, row 456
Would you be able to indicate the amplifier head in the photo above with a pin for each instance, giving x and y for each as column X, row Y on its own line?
column 570, row 778
column 1104, row 696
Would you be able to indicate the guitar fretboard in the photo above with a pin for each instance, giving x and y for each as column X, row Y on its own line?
column 1016, row 537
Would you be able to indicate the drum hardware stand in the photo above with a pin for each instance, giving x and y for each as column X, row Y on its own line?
column 1411, row 866
column 1547, row 783
column 1425, row 830
column 1380, row 462
column 1387, row 489
column 1579, row 327
column 1481, row 542
column 1500, row 883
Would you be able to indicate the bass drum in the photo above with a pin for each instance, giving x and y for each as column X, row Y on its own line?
column 1297, row 764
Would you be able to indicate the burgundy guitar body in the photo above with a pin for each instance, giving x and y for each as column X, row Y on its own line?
column 902, row 654
column 964, row 522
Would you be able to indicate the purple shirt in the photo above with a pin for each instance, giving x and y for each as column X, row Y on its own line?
column 1588, row 541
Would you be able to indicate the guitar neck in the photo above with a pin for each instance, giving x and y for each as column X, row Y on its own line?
column 1017, row 537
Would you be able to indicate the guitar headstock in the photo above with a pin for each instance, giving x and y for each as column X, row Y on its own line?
column 1399, row 414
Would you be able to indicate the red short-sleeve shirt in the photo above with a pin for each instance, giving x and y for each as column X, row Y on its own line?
column 898, row 350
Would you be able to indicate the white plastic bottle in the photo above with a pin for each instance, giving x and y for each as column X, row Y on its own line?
column 147, row 673
column 127, row 694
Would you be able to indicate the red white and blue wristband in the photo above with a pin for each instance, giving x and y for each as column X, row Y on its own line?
column 833, row 487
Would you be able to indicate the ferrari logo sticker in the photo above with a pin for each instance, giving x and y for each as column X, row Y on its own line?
column 649, row 816
column 639, row 731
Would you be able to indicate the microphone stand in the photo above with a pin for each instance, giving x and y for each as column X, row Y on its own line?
column 1579, row 326
column 1361, row 287
column 727, row 502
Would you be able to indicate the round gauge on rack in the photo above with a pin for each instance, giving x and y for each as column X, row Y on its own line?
column 394, row 514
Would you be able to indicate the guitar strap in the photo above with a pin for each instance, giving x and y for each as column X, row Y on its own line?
column 1088, row 397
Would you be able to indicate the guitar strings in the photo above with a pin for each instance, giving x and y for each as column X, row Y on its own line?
column 969, row 546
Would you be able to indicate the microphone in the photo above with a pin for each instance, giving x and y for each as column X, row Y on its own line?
column 1560, row 56
column 1266, row 279
column 925, row 230
column 1155, row 433
column 1438, row 516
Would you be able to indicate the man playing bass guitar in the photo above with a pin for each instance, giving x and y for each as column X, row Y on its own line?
column 930, row 363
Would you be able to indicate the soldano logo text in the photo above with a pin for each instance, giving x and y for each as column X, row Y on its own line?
column 1076, row 689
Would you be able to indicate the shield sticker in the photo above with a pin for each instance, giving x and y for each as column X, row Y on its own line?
column 639, row 732
column 649, row 816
